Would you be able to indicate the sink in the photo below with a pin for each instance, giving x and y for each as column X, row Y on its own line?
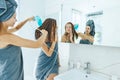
column 76, row 74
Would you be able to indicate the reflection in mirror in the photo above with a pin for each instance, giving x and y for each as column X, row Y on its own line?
column 105, row 15
column 71, row 35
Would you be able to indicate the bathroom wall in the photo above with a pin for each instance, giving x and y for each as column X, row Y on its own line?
column 30, row 55
column 64, row 50
column 103, row 59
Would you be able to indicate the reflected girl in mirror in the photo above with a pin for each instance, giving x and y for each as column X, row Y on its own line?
column 47, row 64
column 70, row 34
column 88, row 36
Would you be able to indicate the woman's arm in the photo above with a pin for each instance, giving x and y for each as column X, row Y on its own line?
column 84, row 36
column 63, row 39
column 71, row 37
column 18, row 41
column 20, row 25
column 48, row 51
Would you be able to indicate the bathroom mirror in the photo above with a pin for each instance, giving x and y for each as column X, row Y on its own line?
column 105, row 14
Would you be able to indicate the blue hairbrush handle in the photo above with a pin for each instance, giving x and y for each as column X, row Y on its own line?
column 38, row 20
column 76, row 26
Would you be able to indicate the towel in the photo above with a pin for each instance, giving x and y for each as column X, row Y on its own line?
column 47, row 65
column 11, row 63
column 7, row 9
column 92, row 27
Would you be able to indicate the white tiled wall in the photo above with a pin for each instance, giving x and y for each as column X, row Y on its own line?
column 103, row 59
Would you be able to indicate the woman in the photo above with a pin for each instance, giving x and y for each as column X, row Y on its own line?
column 11, row 62
column 47, row 64
column 88, row 36
column 69, row 34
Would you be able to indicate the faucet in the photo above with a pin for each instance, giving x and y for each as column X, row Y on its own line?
column 87, row 68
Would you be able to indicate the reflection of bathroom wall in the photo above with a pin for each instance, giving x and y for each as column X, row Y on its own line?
column 103, row 59
column 111, row 28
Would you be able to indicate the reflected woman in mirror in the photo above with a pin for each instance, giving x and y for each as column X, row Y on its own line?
column 47, row 64
column 88, row 36
column 70, row 34
column 11, row 60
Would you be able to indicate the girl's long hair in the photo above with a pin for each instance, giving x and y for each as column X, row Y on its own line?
column 50, row 26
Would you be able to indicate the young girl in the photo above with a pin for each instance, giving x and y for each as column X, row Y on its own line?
column 47, row 64
column 88, row 36
column 70, row 34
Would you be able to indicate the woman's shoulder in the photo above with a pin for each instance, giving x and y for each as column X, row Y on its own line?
column 6, row 36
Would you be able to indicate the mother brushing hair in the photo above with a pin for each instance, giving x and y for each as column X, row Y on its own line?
column 11, row 61
column 88, row 36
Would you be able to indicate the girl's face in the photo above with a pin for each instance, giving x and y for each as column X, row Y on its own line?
column 11, row 21
column 87, row 30
column 68, row 28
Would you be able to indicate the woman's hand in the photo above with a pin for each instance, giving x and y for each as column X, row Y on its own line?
column 42, row 38
column 71, row 37
column 30, row 18
column 21, row 24
column 44, row 32
column 56, row 37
